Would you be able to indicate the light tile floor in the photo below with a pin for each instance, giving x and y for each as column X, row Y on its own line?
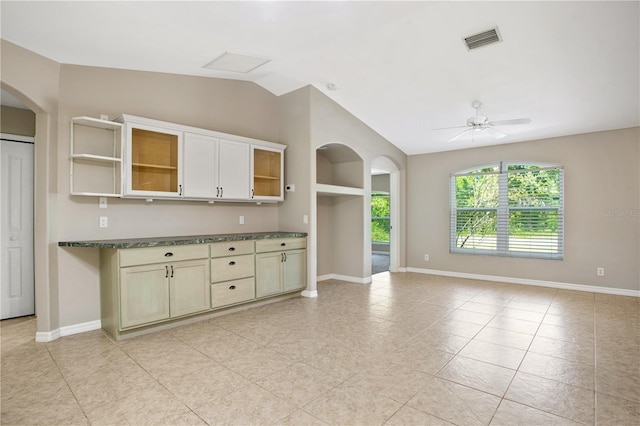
column 408, row 349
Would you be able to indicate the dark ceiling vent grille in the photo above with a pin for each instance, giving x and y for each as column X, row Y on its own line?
column 484, row 38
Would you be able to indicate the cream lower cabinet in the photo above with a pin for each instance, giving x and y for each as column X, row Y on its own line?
column 281, row 266
column 142, row 289
column 144, row 295
column 144, row 286
column 153, row 293
column 232, row 273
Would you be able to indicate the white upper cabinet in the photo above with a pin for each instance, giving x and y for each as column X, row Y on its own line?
column 153, row 161
column 267, row 171
column 200, row 159
column 233, row 170
column 215, row 169
column 167, row 160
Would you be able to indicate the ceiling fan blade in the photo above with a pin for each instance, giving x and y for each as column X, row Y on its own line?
column 461, row 135
column 510, row 122
column 449, row 128
column 494, row 133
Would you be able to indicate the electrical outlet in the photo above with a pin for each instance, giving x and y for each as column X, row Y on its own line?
column 103, row 202
column 305, row 219
column 600, row 271
column 241, row 220
column 103, row 222
column 426, row 257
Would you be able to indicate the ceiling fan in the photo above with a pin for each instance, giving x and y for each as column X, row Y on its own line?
column 479, row 124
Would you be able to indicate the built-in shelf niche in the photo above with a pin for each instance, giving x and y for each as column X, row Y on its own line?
column 96, row 157
column 339, row 170
column 340, row 211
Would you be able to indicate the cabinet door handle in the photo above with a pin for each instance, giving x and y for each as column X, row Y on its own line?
column 285, row 256
column 217, row 191
column 283, row 244
column 281, row 257
column 171, row 271
column 179, row 189
column 168, row 254
column 166, row 271
column 221, row 191
column 233, row 287
column 252, row 193
column 232, row 263
column 232, row 249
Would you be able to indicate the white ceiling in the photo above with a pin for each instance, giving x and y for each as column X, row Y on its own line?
column 400, row 67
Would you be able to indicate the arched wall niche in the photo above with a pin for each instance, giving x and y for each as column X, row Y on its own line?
column 341, row 182
column 338, row 164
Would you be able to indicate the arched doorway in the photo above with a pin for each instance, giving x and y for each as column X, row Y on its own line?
column 41, row 227
column 385, row 202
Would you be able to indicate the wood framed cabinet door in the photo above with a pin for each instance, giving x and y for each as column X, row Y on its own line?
column 189, row 287
column 295, row 270
column 268, row 274
column 153, row 162
column 267, row 171
column 144, row 295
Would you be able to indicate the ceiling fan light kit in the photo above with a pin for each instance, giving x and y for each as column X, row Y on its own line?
column 480, row 125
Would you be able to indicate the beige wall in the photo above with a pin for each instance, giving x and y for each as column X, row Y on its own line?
column 17, row 121
column 236, row 107
column 293, row 119
column 34, row 80
column 600, row 176
column 380, row 183
column 346, row 220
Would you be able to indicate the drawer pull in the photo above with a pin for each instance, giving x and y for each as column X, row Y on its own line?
column 168, row 254
column 283, row 244
column 232, row 249
column 233, row 287
column 232, row 263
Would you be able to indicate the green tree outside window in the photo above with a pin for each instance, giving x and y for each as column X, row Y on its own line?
column 380, row 221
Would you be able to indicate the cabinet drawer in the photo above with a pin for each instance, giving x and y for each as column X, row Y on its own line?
column 148, row 255
column 232, row 268
column 231, row 292
column 280, row 244
column 228, row 248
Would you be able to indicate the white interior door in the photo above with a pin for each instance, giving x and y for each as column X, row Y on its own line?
column 16, row 229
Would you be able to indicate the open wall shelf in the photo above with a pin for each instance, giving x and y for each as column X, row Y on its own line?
column 95, row 157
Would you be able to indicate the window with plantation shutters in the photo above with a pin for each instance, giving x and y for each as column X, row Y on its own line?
column 508, row 209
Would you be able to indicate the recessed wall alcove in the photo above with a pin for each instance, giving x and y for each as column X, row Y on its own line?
column 340, row 183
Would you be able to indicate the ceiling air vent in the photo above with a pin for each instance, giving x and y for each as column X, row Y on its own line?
column 236, row 63
column 484, row 38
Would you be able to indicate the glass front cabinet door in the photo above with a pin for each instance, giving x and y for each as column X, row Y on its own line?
column 153, row 161
column 267, row 171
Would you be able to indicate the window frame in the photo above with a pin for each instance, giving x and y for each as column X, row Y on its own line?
column 503, row 211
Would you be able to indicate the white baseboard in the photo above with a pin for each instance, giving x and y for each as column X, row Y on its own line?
column 49, row 336
column 364, row 280
column 525, row 281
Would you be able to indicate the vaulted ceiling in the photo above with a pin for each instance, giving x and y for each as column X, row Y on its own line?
column 401, row 67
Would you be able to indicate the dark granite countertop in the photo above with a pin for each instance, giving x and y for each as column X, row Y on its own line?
column 178, row 241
